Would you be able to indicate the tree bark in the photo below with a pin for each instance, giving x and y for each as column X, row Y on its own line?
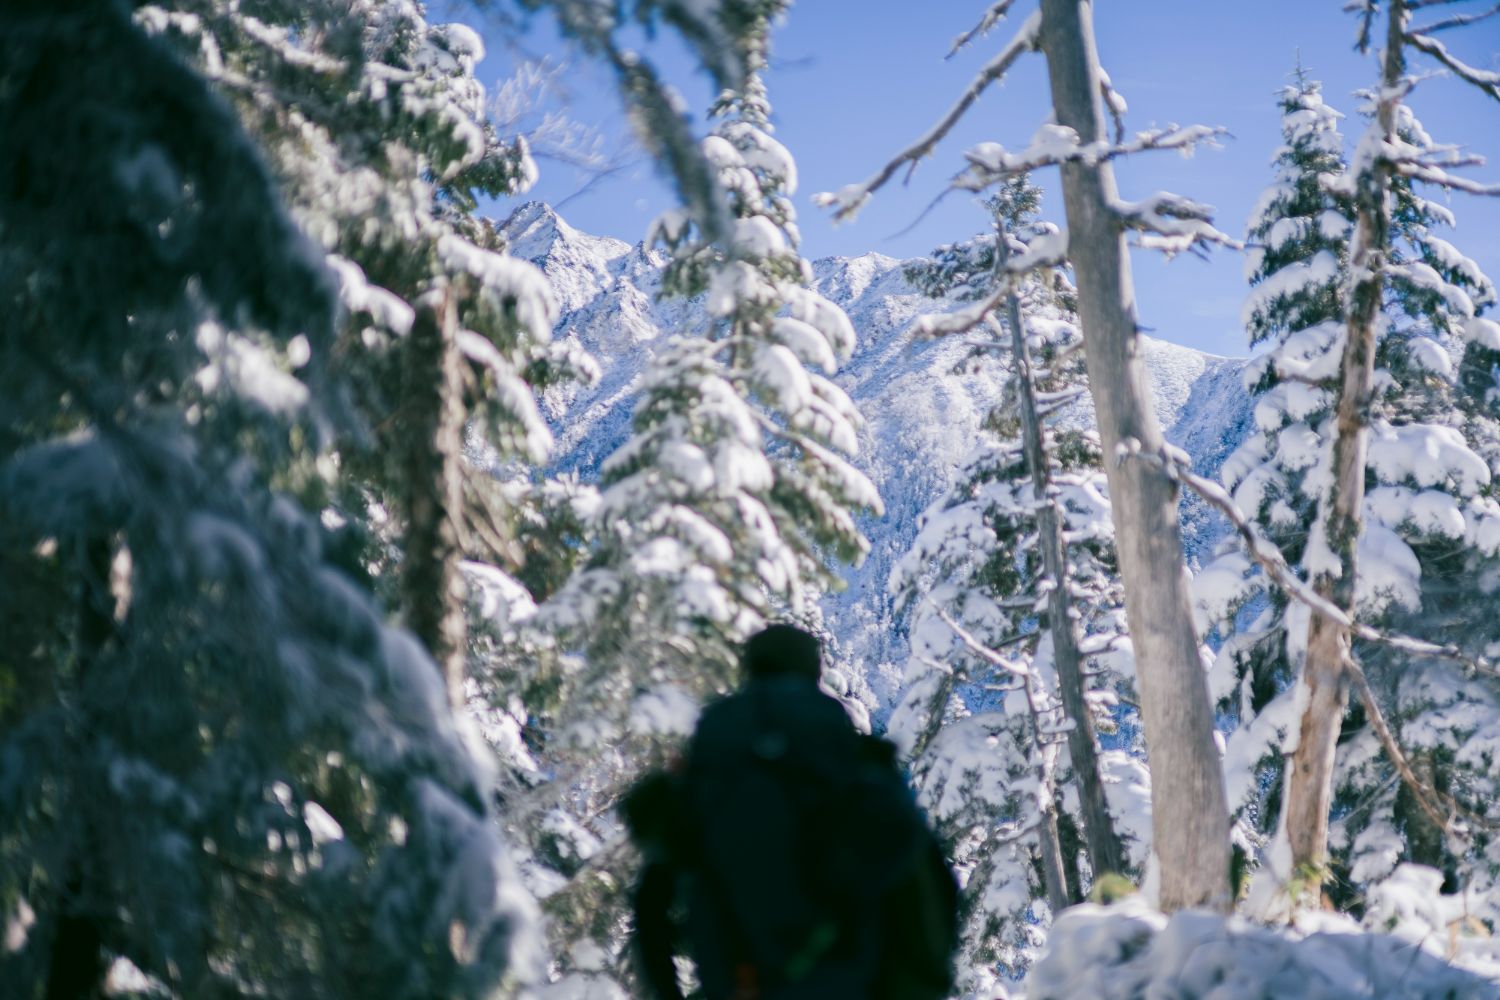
column 1324, row 671
column 431, row 436
column 1052, row 862
column 1190, row 816
column 1098, row 828
column 1049, row 840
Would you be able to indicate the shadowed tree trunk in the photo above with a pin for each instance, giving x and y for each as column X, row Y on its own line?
column 431, row 436
column 1099, row 834
column 1190, row 816
column 1049, row 840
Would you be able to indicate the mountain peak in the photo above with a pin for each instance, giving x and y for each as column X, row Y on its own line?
column 533, row 228
column 536, row 232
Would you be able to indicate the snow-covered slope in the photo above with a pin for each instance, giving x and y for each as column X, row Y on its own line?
column 924, row 404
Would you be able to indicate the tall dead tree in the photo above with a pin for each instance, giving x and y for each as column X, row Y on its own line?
column 1190, row 817
column 1189, row 809
column 1098, row 829
column 1324, row 672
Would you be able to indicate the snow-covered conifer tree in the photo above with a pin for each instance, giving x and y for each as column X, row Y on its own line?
column 1426, row 565
column 219, row 768
column 375, row 124
column 1427, row 520
column 1296, row 261
column 735, row 491
column 982, row 719
column 1353, row 553
column 729, row 504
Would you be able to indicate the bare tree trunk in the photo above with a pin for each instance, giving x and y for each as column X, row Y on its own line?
column 1310, row 784
column 1190, row 816
column 1052, row 862
column 1098, row 829
column 76, row 967
column 1048, row 839
column 431, row 436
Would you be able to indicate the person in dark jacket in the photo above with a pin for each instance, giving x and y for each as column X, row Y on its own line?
column 776, row 854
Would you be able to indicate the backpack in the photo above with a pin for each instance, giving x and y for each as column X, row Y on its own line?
column 809, row 870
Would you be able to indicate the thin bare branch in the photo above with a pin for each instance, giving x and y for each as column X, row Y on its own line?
column 922, row 215
column 986, row 653
column 1456, row 21
column 1049, row 410
column 847, row 201
column 992, row 17
column 1427, row 797
column 1366, row 11
column 595, row 178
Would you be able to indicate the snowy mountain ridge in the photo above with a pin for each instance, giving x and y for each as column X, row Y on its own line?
column 924, row 401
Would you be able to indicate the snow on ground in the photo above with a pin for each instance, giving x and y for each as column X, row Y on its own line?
column 1129, row 951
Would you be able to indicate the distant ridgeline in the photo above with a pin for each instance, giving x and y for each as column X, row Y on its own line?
column 924, row 402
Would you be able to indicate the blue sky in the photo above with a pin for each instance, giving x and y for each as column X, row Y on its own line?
column 853, row 81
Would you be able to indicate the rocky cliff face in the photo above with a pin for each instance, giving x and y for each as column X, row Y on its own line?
column 923, row 403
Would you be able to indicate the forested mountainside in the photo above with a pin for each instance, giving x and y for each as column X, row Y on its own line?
column 924, row 400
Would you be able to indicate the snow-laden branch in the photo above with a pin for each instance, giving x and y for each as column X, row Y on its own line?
column 1171, row 223
column 855, row 484
column 1046, row 250
column 1430, row 174
column 848, row 200
column 1486, row 80
column 979, row 649
column 1046, row 410
column 1176, row 465
column 1441, row 155
column 1052, row 145
column 280, row 42
column 993, row 16
column 1430, row 163
column 1114, row 103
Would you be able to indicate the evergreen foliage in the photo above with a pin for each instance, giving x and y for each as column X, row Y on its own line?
column 376, row 127
column 728, row 505
column 734, row 494
column 217, row 763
